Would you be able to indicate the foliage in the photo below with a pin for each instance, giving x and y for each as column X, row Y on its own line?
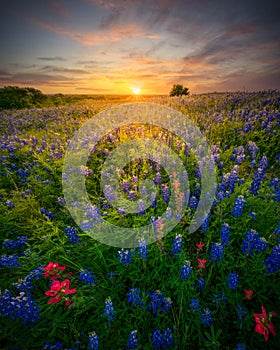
column 179, row 90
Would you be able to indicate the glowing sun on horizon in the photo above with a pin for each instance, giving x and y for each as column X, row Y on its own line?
column 136, row 90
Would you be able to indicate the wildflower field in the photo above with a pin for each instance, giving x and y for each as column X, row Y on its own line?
column 215, row 288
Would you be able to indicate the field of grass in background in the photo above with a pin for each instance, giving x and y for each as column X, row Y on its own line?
column 217, row 288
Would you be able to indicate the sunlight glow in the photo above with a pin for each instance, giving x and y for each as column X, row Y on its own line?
column 136, row 90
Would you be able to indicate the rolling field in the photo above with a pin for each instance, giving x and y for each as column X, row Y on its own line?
column 214, row 288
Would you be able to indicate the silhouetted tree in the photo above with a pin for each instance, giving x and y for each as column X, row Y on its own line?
column 179, row 90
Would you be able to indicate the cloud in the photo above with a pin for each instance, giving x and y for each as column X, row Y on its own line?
column 52, row 58
column 64, row 70
column 117, row 33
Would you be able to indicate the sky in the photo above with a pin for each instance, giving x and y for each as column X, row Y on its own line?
column 113, row 47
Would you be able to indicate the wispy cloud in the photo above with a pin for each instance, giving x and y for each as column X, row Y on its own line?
column 55, row 58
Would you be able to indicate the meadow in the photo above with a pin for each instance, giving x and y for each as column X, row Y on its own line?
column 215, row 288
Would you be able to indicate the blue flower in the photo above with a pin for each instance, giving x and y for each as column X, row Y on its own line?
column 272, row 262
column 134, row 297
column 47, row 213
column 9, row 261
column 206, row 317
column 253, row 242
column 86, row 277
column 159, row 303
column 142, row 248
column 21, row 307
column 124, row 257
column 233, row 281
column 93, row 341
column 240, row 346
column 238, row 206
column 162, row 339
column 225, row 235
column 72, row 234
column 18, row 243
column 216, row 252
column 109, row 311
column 132, row 340
column 186, row 270
column 194, row 304
column 177, row 245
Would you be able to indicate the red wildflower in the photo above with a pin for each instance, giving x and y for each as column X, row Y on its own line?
column 248, row 294
column 52, row 270
column 264, row 325
column 58, row 290
column 201, row 263
column 199, row 246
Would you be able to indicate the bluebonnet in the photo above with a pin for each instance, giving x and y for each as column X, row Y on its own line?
column 121, row 211
column 86, row 277
column 153, row 199
column 193, row 202
column 10, row 204
column 93, row 341
column 87, row 225
column 61, row 201
column 253, row 242
column 124, row 257
column 72, row 234
column 240, row 312
column 274, row 183
column 194, row 304
column 18, row 243
column 157, row 179
column 109, row 311
column 233, row 280
column 22, row 307
column 158, row 303
column 132, row 340
column 132, row 195
column 134, row 297
column 229, row 180
column 168, row 213
column 185, row 270
column 206, row 317
column 216, row 252
column 140, row 207
column 252, row 149
column 238, row 155
column 109, row 192
column 165, row 194
column 200, row 282
column 26, row 284
column 252, row 215
column 162, row 339
column 272, row 262
column 184, row 176
column 258, row 176
column 240, row 346
column 142, row 248
column 92, row 212
column 47, row 213
column 225, row 234
column 238, row 206
column 177, row 245
column 204, row 226
column 125, row 186
column 9, row 261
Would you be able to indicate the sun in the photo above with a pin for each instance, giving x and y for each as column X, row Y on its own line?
column 136, row 90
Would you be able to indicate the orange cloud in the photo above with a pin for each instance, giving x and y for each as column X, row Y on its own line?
column 117, row 33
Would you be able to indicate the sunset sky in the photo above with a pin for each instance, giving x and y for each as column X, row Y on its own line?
column 110, row 47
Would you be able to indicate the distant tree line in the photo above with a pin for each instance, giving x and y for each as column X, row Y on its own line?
column 14, row 97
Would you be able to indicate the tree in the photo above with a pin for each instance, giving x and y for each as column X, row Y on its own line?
column 179, row 90
column 14, row 97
